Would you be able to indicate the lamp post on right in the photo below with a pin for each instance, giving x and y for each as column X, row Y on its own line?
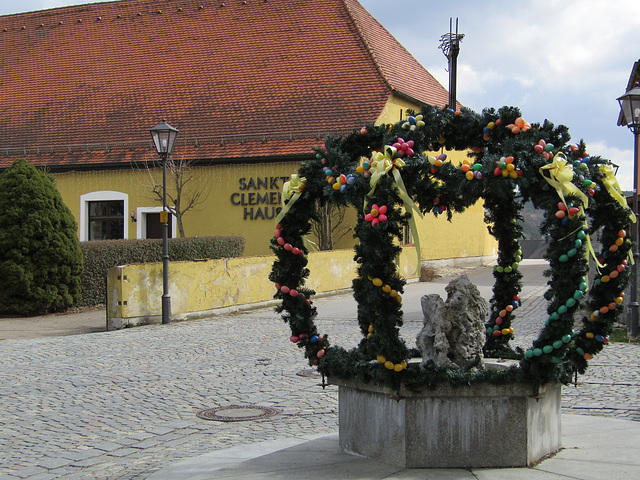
column 630, row 107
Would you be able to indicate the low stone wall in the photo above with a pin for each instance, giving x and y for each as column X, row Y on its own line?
column 198, row 289
column 475, row 426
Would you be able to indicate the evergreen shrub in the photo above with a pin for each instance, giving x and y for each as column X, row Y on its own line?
column 101, row 255
column 40, row 257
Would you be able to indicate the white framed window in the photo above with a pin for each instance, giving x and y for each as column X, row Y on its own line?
column 104, row 215
column 148, row 223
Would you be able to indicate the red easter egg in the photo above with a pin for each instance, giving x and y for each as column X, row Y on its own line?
column 307, row 301
column 288, row 247
column 280, row 241
column 573, row 211
column 303, row 336
column 293, row 292
column 382, row 209
column 368, row 217
column 374, row 222
column 277, row 285
column 538, row 148
column 315, row 362
column 497, row 333
column 277, row 232
column 497, row 172
column 320, row 353
column 296, row 251
column 294, row 339
column 410, row 143
column 285, row 289
column 382, row 218
column 560, row 214
column 562, row 206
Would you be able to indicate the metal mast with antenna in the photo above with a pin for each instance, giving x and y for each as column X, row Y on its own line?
column 450, row 46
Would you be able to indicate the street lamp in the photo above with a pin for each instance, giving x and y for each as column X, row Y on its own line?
column 164, row 138
column 630, row 107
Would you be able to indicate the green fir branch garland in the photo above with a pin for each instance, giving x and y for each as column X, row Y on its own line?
column 382, row 172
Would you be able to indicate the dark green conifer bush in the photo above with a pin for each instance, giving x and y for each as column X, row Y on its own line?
column 40, row 256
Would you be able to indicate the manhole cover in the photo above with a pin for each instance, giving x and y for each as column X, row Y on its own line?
column 308, row 373
column 235, row 413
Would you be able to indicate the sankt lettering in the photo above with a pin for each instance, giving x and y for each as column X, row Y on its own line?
column 268, row 197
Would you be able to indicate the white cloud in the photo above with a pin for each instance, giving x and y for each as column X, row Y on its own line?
column 622, row 158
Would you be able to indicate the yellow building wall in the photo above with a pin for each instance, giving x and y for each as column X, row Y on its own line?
column 134, row 291
column 243, row 200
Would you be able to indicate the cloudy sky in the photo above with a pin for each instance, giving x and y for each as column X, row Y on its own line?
column 562, row 60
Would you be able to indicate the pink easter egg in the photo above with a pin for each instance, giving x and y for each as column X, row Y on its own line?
column 562, row 206
column 277, row 285
column 382, row 209
column 397, row 146
column 277, row 232
column 367, row 174
column 374, row 222
column 294, row 339
column 288, row 247
column 280, row 240
column 284, row 289
column 411, row 143
column 409, row 151
column 303, row 336
column 382, row 218
column 296, row 251
column 308, row 302
column 368, row 217
column 293, row 292
column 320, row 353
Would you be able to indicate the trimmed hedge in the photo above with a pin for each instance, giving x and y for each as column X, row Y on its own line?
column 101, row 255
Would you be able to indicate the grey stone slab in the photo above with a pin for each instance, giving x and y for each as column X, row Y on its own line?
column 591, row 470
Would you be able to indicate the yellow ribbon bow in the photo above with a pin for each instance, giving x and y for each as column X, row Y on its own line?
column 561, row 178
column 610, row 182
column 383, row 163
column 291, row 192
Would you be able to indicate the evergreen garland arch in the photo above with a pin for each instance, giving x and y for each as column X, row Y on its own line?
column 383, row 172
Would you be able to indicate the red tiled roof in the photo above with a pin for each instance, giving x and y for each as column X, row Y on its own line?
column 83, row 84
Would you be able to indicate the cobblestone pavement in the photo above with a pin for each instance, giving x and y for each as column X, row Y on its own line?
column 122, row 405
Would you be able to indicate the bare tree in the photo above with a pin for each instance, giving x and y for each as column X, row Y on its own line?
column 330, row 228
column 184, row 194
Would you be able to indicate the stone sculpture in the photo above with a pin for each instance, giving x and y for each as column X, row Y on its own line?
column 454, row 333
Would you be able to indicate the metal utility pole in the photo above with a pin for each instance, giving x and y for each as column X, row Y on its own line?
column 450, row 46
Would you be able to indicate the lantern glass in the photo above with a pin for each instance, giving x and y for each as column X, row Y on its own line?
column 630, row 106
column 164, row 138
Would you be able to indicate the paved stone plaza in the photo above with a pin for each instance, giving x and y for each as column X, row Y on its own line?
column 122, row 405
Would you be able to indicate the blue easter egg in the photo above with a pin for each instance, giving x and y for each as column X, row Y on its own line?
column 412, row 120
column 314, row 339
column 343, row 188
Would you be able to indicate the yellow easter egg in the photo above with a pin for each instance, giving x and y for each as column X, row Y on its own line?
column 386, row 289
column 369, row 335
column 590, row 335
column 397, row 367
column 393, row 293
column 388, row 365
column 469, row 175
column 336, row 186
column 399, row 299
column 377, row 282
column 370, row 328
column 381, row 359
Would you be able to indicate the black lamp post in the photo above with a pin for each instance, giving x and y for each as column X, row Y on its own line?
column 164, row 138
column 630, row 106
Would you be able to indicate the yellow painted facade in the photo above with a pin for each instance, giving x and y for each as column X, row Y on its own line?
column 134, row 291
column 243, row 199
